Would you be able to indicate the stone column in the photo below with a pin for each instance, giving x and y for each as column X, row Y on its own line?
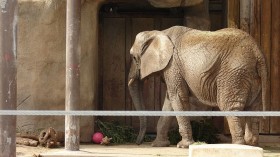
column 73, row 52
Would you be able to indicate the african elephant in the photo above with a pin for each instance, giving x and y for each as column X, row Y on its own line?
column 224, row 68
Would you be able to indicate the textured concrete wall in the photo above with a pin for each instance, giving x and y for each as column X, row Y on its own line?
column 41, row 62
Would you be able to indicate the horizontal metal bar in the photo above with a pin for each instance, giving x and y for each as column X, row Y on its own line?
column 140, row 113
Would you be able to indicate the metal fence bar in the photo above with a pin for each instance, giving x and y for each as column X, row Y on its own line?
column 141, row 113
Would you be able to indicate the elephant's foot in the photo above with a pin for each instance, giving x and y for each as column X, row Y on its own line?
column 253, row 141
column 184, row 143
column 160, row 143
column 238, row 141
column 140, row 137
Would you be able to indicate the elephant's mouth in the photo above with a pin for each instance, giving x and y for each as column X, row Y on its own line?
column 135, row 76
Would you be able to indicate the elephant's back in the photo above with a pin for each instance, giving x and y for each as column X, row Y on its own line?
column 203, row 53
column 224, row 36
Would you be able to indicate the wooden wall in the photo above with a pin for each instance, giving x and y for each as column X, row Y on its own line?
column 261, row 19
column 117, row 33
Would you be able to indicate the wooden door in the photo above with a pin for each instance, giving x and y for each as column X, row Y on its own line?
column 117, row 34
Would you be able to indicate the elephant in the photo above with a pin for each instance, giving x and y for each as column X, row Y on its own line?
column 223, row 68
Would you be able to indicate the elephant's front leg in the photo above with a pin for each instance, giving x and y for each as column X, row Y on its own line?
column 178, row 95
column 183, row 122
column 163, row 126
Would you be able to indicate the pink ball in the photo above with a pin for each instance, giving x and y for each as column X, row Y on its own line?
column 97, row 137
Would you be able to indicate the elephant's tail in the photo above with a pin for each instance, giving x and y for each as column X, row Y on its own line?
column 263, row 73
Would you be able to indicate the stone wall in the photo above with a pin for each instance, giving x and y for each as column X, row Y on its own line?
column 41, row 62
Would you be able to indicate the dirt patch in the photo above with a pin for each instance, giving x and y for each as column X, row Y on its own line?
column 28, row 151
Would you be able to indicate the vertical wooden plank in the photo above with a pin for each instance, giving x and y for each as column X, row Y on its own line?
column 255, row 19
column 245, row 7
column 128, row 43
column 266, row 49
column 139, row 25
column 275, row 71
column 114, row 66
column 233, row 13
column 216, row 19
column 100, row 63
column 8, row 73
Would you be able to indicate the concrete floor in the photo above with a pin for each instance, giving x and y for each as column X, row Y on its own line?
column 126, row 150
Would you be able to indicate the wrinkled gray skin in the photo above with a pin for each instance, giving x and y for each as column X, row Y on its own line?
column 224, row 68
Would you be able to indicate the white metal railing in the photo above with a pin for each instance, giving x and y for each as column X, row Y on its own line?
column 140, row 113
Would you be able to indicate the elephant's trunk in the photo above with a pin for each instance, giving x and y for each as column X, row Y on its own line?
column 135, row 89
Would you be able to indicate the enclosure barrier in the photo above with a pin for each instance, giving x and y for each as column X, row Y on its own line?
column 140, row 113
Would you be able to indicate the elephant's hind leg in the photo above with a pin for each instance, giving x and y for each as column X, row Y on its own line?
column 180, row 102
column 252, row 131
column 236, row 130
column 252, row 124
column 232, row 95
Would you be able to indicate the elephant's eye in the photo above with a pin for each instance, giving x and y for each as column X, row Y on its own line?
column 136, row 61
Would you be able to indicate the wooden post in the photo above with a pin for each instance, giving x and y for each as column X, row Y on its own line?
column 233, row 13
column 8, row 83
column 255, row 20
column 275, row 65
column 245, row 7
column 266, row 49
column 73, row 50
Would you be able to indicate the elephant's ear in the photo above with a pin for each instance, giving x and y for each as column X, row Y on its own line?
column 157, row 52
